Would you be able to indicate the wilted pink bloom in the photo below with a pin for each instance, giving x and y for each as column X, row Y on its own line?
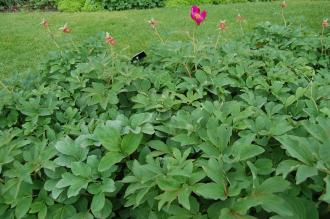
column 239, row 18
column 65, row 29
column 109, row 39
column 153, row 23
column 325, row 23
column 222, row 25
column 45, row 23
column 196, row 15
column 283, row 4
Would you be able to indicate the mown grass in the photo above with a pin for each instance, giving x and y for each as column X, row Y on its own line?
column 23, row 42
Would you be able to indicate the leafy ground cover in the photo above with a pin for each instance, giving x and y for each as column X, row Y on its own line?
column 23, row 43
column 226, row 129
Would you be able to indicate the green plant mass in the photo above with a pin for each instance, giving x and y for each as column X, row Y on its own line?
column 198, row 129
column 226, row 126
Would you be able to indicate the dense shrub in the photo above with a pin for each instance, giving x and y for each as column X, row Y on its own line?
column 174, row 3
column 92, row 5
column 112, row 5
column 97, row 5
column 9, row 4
column 29, row 4
column 70, row 5
column 130, row 4
column 246, row 136
column 42, row 4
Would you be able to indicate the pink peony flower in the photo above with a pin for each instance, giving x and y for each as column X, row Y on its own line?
column 109, row 39
column 44, row 23
column 152, row 23
column 196, row 15
column 65, row 29
column 222, row 25
column 283, row 4
column 325, row 23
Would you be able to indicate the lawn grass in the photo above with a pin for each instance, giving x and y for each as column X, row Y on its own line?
column 23, row 42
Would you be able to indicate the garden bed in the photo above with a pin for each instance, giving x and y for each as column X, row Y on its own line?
column 205, row 128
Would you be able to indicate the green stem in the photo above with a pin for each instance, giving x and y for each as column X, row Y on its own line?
column 113, row 53
column 283, row 17
column 74, row 44
column 194, row 45
column 113, row 56
column 312, row 98
column 187, row 69
column 241, row 26
column 321, row 39
column 216, row 43
column 194, row 39
column 53, row 38
column 158, row 35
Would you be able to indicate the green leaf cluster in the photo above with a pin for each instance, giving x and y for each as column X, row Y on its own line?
column 91, row 135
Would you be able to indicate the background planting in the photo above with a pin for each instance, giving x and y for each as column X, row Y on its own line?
column 97, row 5
column 23, row 44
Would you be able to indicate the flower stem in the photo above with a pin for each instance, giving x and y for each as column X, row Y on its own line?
column 312, row 98
column 74, row 44
column 187, row 69
column 321, row 39
column 53, row 38
column 194, row 42
column 112, row 55
column 194, row 39
column 216, row 43
column 241, row 26
column 284, row 20
column 158, row 35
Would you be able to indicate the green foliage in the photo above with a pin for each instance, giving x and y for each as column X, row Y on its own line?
column 71, row 5
column 115, row 5
column 30, row 4
column 10, row 4
column 112, row 5
column 174, row 3
column 94, row 136
column 92, row 5
column 42, row 4
column 97, row 5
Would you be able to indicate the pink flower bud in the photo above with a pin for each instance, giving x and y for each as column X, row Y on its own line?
column 325, row 23
column 65, row 29
column 152, row 23
column 222, row 25
column 109, row 39
column 44, row 23
column 283, row 4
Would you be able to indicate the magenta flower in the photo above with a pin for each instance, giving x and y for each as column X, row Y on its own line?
column 196, row 14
